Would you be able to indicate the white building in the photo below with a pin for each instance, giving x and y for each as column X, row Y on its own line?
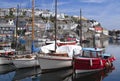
column 105, row 32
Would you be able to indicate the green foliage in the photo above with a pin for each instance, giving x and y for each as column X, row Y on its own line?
column 21, row 32
column 75, row 19
column 24, row 13
column 11, row 13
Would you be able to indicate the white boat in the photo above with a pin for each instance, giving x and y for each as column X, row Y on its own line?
column 27, row 60
column 24, row 61
column 5, row 60
column 54, row 62
column 61, row 59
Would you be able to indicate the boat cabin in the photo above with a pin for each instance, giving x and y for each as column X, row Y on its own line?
column 92, row 52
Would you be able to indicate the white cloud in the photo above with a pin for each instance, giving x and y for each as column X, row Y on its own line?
column 92, row 1
column 53, row 3
column 63, row 3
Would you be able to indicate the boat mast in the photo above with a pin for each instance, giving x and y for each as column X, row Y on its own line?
column 55, row 23
column 16, row 30
column 80, row 32
column 32, row 20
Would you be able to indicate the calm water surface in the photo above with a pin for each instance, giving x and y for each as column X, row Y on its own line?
column 9, row 73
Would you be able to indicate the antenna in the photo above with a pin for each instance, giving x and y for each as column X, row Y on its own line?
column 17, row 26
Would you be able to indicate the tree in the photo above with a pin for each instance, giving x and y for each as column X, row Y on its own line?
column 11, row 13
column 24, row 13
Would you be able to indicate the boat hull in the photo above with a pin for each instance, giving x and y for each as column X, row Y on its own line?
column 54, row 62
column 5, row 60
column 84, row 65
column 24, row 63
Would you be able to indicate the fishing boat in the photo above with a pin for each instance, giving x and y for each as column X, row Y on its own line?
column 26, row 59
column 92, row 59
column 62, row 58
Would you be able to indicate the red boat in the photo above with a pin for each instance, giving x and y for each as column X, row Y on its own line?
column 92, row 59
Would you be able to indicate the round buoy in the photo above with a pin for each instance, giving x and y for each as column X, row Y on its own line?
column 107, row 65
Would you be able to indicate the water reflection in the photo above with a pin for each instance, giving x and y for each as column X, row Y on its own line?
column 4, row 69
column 7, row 72
column 26, row 73
column 57, row 75
column 100, row 43
column 97, row 76
column 33, row 74
column 115, row 42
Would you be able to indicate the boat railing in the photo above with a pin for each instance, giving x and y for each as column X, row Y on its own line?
column 23, row 52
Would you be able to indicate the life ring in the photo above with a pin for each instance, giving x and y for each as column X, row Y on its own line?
column 108, row 64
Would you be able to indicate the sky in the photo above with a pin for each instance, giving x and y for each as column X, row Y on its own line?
column 106, row 12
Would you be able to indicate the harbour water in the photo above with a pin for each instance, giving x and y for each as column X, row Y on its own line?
column 10, row 73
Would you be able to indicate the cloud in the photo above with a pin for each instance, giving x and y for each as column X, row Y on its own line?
column 92, row 1
column 69, row 10
column 63, row 3
column 52, row 4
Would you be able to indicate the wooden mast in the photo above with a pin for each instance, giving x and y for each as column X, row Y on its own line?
column 32, row 20
column 55, row 23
